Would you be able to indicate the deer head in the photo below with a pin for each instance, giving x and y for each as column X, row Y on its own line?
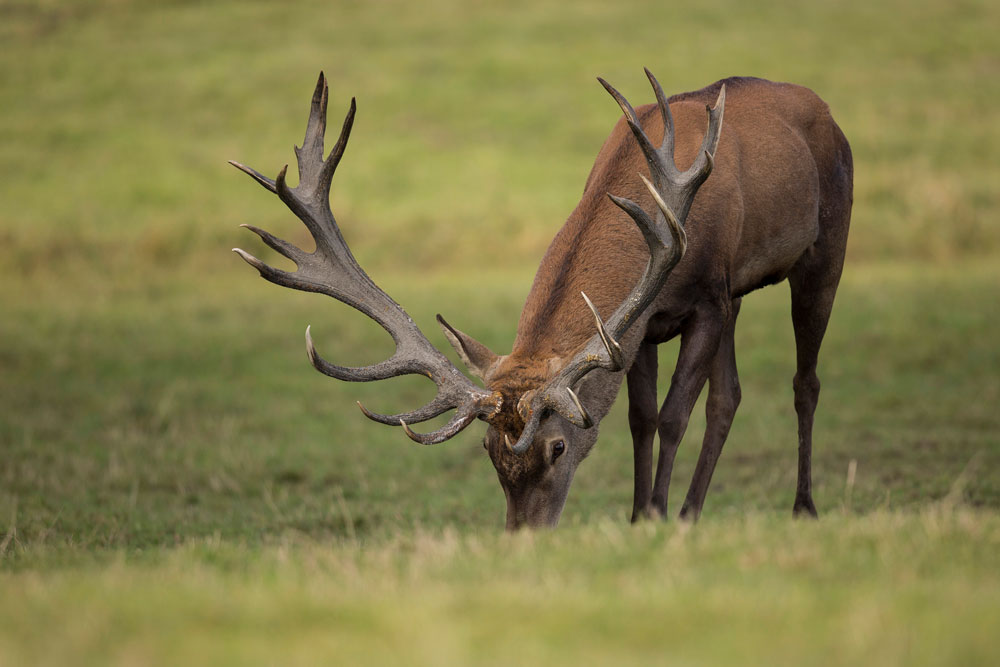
column 542, row 412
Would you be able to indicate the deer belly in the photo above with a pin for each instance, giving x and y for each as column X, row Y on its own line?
column 771, row 257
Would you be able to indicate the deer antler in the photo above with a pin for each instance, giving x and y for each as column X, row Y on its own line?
column 331, row 269
column 673, row 192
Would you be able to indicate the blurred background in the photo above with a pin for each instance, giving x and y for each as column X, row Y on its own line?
column 473, row 116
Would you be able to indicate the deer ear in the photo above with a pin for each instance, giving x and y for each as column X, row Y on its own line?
column 477, row 357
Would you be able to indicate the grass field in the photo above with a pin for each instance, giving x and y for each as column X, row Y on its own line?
column 178, row 486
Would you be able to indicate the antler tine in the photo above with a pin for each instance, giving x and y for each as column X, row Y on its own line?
column 281, row 246
column 667, row 145
column 565, row 402
column 446, row 432
column 705, row 161
column 672, row 192
column 436, row 407
column 266, row 182
column 310, row 154
column 528, row 432
column 633, row 122
column 332, row 270
column 333, row 160
column 587, row 422
column 622, row 102
column 391, row 367
column 612, row 347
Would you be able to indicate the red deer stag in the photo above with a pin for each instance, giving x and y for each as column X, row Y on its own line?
column 777, row 206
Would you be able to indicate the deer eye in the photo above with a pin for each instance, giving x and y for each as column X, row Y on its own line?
column 557, row 449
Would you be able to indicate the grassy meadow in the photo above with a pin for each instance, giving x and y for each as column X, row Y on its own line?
column 177, row 485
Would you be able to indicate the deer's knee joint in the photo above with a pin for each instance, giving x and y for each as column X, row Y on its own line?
column 671, row 430
column 806, row 383
column 806, row 388
column 725, row 400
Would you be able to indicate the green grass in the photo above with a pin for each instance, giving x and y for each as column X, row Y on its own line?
column 145, row 416
column 177, row 485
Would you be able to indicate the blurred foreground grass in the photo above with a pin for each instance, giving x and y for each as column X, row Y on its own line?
column 887, row 588
column 177, row 485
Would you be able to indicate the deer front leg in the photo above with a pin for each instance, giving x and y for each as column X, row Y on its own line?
column 642, row 413
column 720, row 408
column 699, row 346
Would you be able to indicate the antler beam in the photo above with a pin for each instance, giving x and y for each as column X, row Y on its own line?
column 332, row 270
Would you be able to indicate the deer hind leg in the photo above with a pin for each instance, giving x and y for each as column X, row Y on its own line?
column 699, row 346
column 813, row 285
column 641, row 381
column 720, row 408
column 813, row 281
